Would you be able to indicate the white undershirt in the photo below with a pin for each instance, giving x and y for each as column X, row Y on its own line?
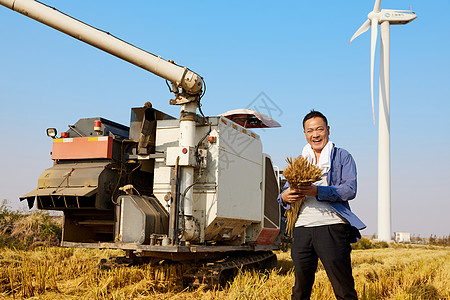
column 317, row 213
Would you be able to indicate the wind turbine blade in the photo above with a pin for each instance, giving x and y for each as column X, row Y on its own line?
column 376, row 7
column 373, row 43
column 361, row 30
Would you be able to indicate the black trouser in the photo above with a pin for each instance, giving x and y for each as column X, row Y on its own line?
column 331, row 244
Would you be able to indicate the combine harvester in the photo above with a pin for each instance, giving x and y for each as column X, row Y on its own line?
column 160, row 189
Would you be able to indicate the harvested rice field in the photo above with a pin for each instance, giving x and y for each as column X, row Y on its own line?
column 62, row 273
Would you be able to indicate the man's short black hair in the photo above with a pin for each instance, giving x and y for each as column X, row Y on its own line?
column 313, row 114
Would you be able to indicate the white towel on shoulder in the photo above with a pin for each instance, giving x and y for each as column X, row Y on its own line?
column 324, row 159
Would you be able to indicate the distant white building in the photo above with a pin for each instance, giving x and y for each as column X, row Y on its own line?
column 402, row 237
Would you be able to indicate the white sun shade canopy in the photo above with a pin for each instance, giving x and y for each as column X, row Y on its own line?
column 250, row 118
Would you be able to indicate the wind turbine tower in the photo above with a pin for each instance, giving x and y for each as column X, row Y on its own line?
column 385, row 18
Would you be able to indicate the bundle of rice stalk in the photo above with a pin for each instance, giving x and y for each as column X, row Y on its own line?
column 299, row 172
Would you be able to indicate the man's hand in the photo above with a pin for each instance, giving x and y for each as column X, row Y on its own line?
column 293, row 195
column 308, row 190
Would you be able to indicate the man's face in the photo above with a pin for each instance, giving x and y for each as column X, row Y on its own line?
column 316, row 133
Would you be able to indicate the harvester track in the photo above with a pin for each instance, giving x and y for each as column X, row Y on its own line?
column 213, row 273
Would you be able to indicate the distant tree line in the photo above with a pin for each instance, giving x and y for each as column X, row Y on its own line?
column 439, row 241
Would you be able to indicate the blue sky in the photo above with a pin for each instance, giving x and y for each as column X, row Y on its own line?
column 296, row 52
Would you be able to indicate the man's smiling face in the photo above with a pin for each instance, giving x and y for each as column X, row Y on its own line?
column 317, row 133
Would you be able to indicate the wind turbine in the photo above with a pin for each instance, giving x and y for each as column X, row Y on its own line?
column 385, row 17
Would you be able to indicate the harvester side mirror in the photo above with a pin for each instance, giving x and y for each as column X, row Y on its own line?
column 51, row 132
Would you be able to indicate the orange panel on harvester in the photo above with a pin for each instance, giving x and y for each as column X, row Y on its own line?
column 82, row 148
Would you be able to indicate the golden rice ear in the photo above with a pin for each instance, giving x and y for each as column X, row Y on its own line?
column 299, row 172
column 289, row 160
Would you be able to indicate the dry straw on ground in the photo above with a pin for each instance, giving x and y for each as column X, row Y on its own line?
column 61, row 273
column 299, row 172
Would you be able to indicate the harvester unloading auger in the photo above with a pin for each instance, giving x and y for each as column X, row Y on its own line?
column 190, row 189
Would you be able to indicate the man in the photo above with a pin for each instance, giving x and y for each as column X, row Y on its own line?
column 325, row 226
